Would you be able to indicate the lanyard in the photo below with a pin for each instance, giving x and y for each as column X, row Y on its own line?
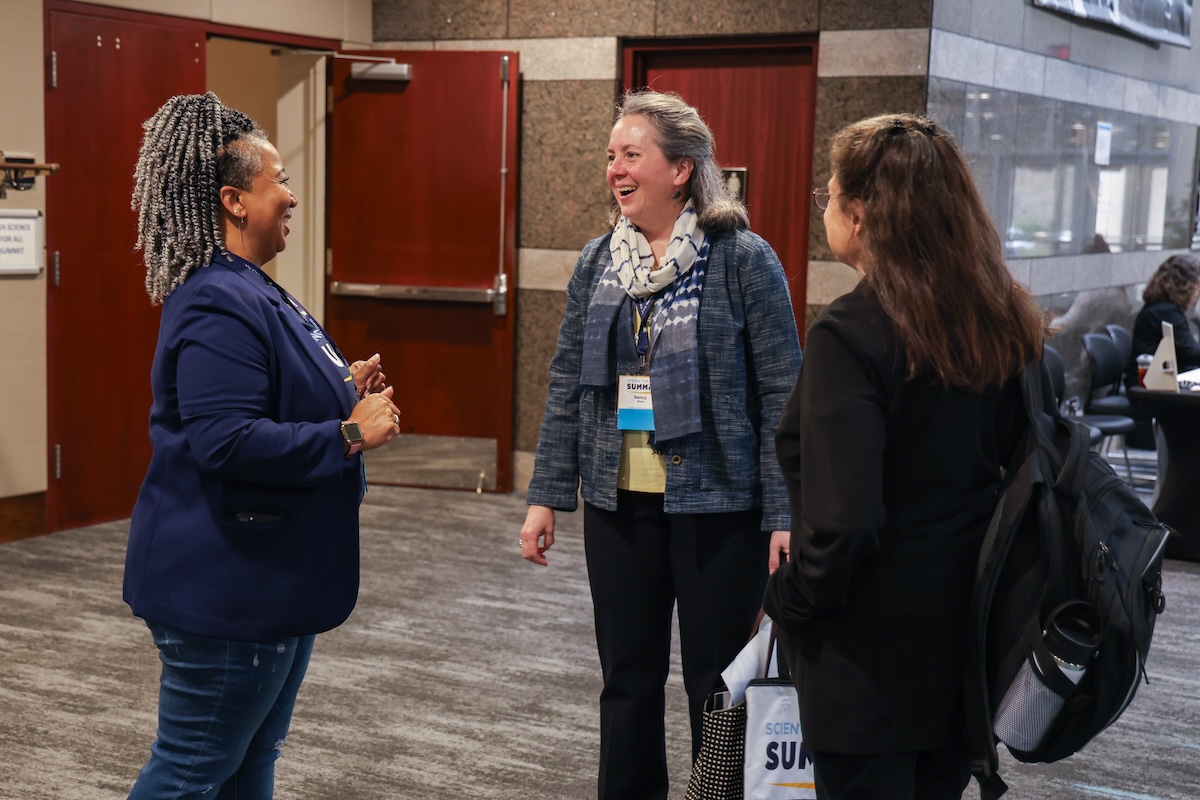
column 641, row 338
column 317, row 333
column 314, row 329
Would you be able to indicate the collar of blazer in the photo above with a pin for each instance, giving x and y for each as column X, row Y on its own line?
column 310, row 337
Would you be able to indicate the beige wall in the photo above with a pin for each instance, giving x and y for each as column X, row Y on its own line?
column 22, row 128
column 347, row 20
column 287, row 99
column 23, row 299
column 228, row 63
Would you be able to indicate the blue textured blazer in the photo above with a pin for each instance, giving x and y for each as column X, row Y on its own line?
column 749, row 357
column 246, row 526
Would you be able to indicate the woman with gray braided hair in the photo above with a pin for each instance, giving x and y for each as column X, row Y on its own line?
column 244, row 538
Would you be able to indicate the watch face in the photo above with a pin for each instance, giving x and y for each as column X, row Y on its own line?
column 351, row 432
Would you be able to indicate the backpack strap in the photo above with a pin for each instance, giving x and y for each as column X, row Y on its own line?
column 1068, row 468
column 1019, row 486
column 1032, row 467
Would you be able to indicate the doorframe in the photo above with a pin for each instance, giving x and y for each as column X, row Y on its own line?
column 207, row 27
column 632, row 51
column 56, row 407
column 510, row 227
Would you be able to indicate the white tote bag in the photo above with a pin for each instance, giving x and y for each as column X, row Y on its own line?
column 777, row 765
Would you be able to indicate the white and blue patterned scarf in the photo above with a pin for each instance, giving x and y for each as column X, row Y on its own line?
column 673, row 349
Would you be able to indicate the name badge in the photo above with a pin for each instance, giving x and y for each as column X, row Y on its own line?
column 635, row 409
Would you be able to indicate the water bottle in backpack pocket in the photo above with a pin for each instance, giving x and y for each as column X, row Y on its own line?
column 1057, row 660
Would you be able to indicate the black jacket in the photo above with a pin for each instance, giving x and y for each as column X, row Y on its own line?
column 892, row 482
column 1147, row 333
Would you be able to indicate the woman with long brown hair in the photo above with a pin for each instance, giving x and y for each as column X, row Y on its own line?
column 892, row 445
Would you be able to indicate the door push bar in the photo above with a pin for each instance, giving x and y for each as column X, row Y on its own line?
column 496, row 295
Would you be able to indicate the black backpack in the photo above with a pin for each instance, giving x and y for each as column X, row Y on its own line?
column 1066, row 530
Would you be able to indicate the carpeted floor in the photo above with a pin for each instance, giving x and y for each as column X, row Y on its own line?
column 464, row 672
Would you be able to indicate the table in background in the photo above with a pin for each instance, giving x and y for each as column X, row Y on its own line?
column 1178, row 503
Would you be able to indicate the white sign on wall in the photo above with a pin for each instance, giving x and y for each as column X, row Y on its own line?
column 22, row 241
column 1103, row 144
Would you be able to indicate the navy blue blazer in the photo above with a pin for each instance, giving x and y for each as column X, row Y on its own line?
column 246, row 526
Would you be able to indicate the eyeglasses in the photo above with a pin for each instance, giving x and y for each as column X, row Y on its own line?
column 821, row 198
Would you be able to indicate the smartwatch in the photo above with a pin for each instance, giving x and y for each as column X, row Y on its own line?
column 353, row 437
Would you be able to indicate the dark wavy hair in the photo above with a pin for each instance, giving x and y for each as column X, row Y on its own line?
column 933, row 254
column 193, row 145
column 1175, row 281
column 681, row 133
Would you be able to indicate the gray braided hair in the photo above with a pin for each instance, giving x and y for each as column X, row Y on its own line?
column 192, row 147
column 683, row 134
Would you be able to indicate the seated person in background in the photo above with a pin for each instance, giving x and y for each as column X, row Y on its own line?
column 1169, row 295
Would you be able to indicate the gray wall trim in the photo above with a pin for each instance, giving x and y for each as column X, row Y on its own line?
column 975, row 61
column 583, row 58
column 851, row 54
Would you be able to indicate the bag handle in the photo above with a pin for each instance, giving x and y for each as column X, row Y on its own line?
column 775, row 652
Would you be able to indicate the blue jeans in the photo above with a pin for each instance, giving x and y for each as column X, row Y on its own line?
column 224, row 708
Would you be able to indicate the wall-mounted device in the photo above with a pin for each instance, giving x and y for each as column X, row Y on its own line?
column 17, row 171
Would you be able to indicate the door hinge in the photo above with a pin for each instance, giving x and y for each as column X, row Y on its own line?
column 328, row 99
column 56, row 268
column 53, row 69
column 328, row 260
column 500, row 295
column 58, row 462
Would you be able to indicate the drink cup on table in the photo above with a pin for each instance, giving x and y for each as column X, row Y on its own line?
column 1143, row 364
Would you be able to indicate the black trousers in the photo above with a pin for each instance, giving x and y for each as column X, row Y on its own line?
column 641, row 561
column 940, row 774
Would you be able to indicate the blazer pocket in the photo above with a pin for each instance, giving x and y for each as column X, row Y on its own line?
column 730, row 450
column 256, row 505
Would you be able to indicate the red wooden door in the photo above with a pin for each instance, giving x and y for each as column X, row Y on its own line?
column 759, row 99
column 108, row 74
column 422, row 229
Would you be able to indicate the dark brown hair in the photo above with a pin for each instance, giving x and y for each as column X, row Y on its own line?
column 1174, row 281
column 933, row 254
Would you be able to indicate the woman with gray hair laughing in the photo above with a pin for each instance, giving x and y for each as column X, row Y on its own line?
column 675, row 356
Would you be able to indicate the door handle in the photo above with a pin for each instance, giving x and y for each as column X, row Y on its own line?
column 497, row 295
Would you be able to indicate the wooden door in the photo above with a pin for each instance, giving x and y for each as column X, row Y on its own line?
column 423, row 240
column 759, row 99
column 107, row 74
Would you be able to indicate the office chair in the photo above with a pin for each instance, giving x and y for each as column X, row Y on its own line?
column 1103, row 426
column 1143, row 431
column 1123, row 339
column 1107, row 371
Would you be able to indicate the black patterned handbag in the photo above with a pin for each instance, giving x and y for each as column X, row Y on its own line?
column 718, row 769
column 718, row 773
